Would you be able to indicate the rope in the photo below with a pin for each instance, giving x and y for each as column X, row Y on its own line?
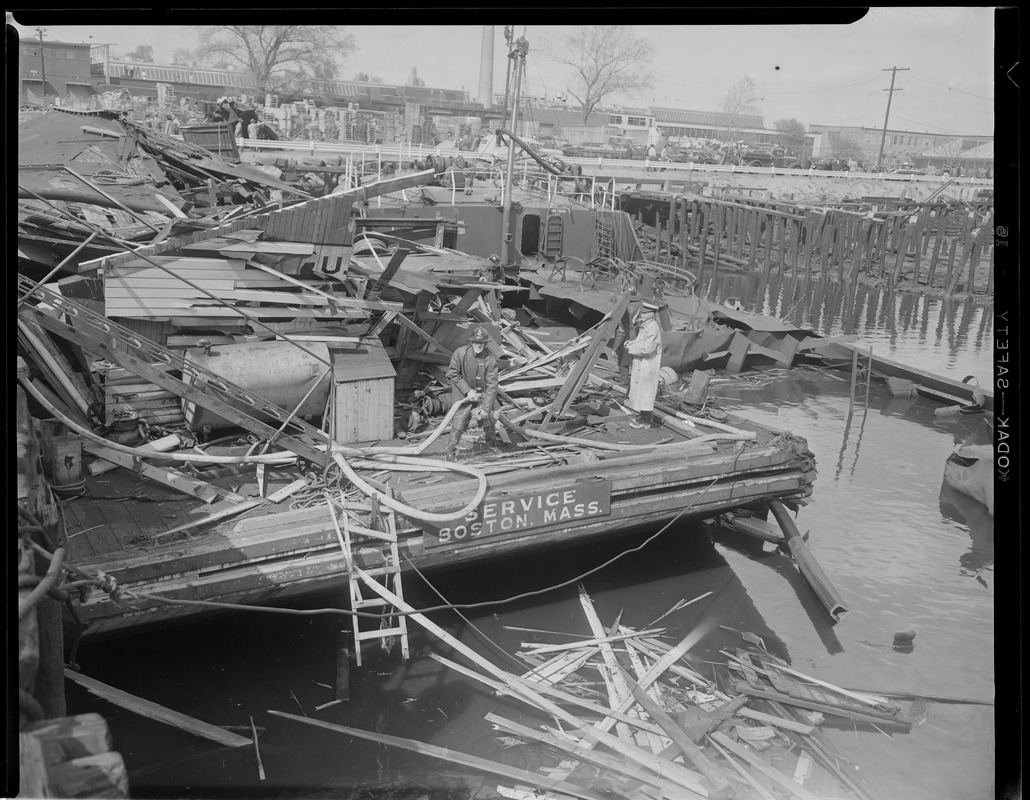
column 44, row 586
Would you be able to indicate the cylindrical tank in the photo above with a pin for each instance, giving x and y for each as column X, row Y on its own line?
column 278, row 372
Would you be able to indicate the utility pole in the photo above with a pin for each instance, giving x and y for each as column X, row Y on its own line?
column 893, row 71
column 42, row 62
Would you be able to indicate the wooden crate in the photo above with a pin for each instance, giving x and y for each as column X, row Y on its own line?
column 362, row 394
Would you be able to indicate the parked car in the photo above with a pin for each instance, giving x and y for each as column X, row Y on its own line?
column 550, row 142
column 624, row 147
column 906, row 168
column 592, row 150
column 693, row 157
column 831, row 164
column 773, row 157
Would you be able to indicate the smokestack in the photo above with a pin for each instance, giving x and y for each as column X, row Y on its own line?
column 486, row 68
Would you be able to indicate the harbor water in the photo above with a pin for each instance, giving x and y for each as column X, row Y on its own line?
column 903, row 550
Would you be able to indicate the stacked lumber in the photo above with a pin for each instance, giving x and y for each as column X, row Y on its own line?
column 189, row 286
column 128, row 396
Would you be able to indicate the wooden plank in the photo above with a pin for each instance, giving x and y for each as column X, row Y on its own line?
column 779, row 722
column 761, row 791
column 613, row 680
column 693, row 753
column 68, row 383
column 568, row 744
column 169, row 477
column 581, row 371
column 156, row 712
column 452, row 756
column 741, row 751
column 669, row 770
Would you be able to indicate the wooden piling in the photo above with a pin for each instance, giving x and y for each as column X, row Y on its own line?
column 744, row 218
column 951, row 266
column 720, row 219
column 938, row 240
column 990, row 272
column 770, row 224
column 805, row 229
column 921, row 223
column 681, row 214
column 981, row 242
column 703, row 211
column 753, row 221
column 782, row 244
column 967, row 247
column 826, row 251
column 900, row 260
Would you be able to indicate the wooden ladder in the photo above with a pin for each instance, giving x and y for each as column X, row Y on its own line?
column 553, row 240
column 388, row 576
column 861, row 378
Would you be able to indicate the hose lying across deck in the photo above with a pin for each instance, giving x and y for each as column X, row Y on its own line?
column 401, row 459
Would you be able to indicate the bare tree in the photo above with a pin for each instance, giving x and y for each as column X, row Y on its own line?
column 183, row 57
column 364, row 77
column 278, row 57
column 607, row 60
column 740, row 101
column 846, row 148
column 414, row 79
column 791, row 132
column 143, row 54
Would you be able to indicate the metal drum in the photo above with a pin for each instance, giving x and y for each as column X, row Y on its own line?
column 278, row 372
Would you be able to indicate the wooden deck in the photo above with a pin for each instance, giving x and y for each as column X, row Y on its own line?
column 275, row 553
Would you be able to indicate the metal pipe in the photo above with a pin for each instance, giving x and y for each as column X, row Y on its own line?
column 56, row 269
column 521, row 47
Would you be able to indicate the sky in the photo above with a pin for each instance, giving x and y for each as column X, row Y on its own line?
column 831, row 74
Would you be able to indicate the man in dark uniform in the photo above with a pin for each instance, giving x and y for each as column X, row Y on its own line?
column 473, row 373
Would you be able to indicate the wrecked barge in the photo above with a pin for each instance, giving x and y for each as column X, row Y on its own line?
column 377, row 318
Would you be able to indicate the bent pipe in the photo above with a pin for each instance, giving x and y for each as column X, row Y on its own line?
column 532, row 153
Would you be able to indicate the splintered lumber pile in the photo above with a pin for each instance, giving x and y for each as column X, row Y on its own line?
column 623, row 712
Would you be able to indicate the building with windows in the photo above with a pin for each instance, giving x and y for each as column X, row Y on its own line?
column 144, row 80
column 66, row 66
column 899, row 145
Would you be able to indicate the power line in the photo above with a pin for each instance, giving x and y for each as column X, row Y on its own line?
column 938, row 127
column 918, row 75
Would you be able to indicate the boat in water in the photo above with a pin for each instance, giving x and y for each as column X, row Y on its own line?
column 970, row 470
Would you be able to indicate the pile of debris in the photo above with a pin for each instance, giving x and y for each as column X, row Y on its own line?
column 676, row 732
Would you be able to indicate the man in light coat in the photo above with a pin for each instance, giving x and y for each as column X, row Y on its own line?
column 646, row 350
column 474, row 374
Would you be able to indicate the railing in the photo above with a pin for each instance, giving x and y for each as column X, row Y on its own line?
column 403, row 152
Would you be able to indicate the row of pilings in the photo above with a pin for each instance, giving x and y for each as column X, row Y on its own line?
column 946, row 246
